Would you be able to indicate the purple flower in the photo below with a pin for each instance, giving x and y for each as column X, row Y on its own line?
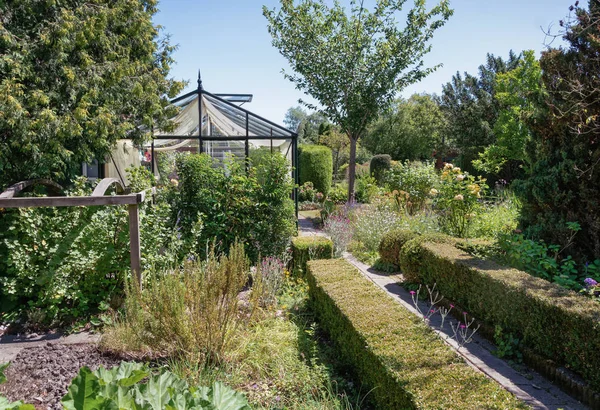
column 463, row 326
column 432, row 310
column 589, row 282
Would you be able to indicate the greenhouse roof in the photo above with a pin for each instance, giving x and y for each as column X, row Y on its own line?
column 221, row 119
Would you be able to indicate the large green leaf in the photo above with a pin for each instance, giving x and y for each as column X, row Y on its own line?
column 126, row 374
column 156, row 393
column 5, row 404
column 221, row 397
column 84, row 391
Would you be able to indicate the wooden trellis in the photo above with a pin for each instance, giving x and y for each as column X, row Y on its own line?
column 97, row 198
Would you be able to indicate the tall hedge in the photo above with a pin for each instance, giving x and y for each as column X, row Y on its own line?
column 380, row 164
column 316, row 166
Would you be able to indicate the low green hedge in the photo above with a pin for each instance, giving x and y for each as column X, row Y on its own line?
column 305, row 248
column 554, row 322
column 391, row 350
column 392, row 242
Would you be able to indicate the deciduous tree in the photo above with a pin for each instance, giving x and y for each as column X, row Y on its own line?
column 354, row 62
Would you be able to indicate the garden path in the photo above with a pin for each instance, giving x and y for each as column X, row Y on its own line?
column 11, row 345
column 526, row 384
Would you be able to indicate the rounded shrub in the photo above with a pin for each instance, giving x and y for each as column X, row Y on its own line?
column 316, row 166
column 392, row 242
column 380, row 164
column 410, row 255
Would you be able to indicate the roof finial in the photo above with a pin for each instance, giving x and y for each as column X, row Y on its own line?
column 199, row 80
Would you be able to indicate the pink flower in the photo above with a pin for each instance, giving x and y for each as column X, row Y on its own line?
column 451, row 306
column 412, row 292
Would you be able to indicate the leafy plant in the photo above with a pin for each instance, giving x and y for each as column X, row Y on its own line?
column 411, row 183
column 366, row 188
column 547, row 261
column 271, row 274
column 121, row 387
column 372, row 223
column 507, row 345
column 253, row 207
column 58, row 265
column 3, row 367
column 457, row 200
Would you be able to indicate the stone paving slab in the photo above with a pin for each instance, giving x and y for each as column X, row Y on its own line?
column 532, row 388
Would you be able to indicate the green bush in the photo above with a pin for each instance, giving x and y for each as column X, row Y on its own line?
column 415, row 179
column 378, row 167
column 61, row 264
column 554, row 322
column 392, row 242
column 392, row 351
column 305, row 248
column 190, row 311
column 254, row 207
column 316, row 166
column 339, row 194
column 366, row 188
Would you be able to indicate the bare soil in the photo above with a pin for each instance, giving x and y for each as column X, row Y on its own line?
column 41, row 375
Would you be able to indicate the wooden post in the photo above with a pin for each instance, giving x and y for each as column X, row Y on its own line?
column 134, row 243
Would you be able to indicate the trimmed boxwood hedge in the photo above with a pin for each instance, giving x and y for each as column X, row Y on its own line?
column 302, row 248
column 392, row 242
column 554, row 322
column 391, row 350
column 315, row 165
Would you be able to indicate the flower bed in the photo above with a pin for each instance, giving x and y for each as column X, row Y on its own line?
column 392, row 352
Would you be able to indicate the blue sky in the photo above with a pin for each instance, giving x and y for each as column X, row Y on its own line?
column 228, row 41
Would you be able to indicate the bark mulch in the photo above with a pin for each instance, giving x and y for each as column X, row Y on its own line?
column 41, row 375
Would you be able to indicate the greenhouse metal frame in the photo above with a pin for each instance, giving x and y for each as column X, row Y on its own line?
column 217, row 120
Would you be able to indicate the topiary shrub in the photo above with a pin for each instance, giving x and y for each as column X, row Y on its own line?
column 392, row 242
column 305, row 248
column 379, row 165
column 316, row 165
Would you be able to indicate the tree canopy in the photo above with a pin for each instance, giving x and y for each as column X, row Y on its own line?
column 519, row 93
column 306, row 124
column 469, row 103
column 564, row 151
column 75, row 76
column 354, row 62
column 410, row 130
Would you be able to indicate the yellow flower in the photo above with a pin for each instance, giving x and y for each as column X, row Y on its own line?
column 460, row 177
column 459, row 197
column 433, row 192
column 448, row 166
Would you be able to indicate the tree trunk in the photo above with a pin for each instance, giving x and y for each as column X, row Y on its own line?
column 352, row 169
